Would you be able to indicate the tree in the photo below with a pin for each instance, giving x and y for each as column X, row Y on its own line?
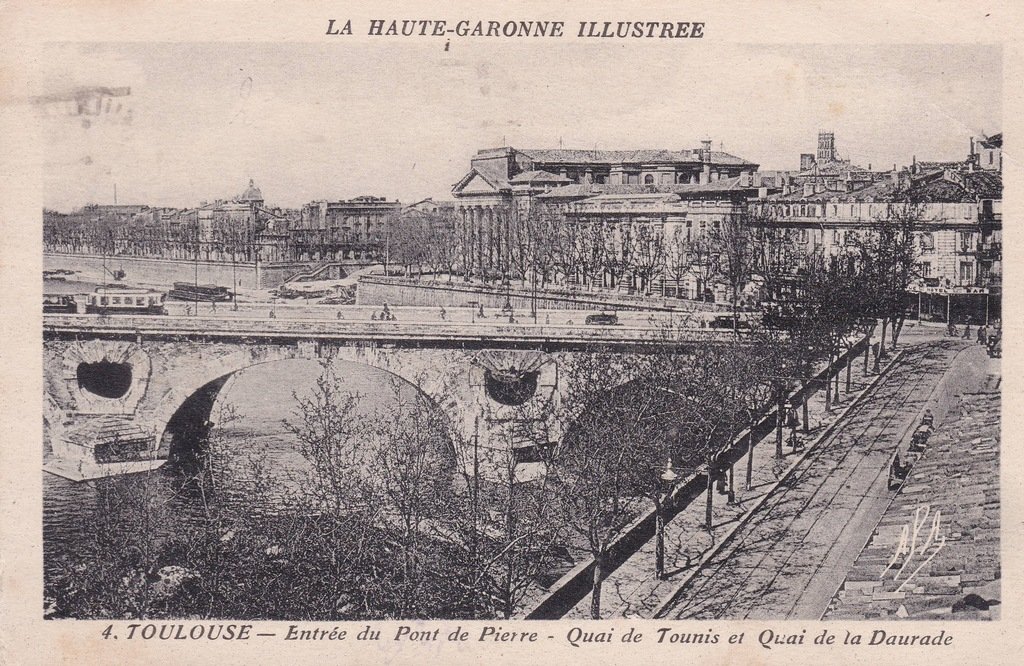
column 510, row 520
column 735, row 240
column 409, row 477
column 704, row 257
column 889, row 257
column 677, row 260
column 646, row 254
column 595, row 464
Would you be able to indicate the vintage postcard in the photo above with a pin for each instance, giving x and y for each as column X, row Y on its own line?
column 587, row 333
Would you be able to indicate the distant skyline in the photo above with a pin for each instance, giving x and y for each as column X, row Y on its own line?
column 310, row 122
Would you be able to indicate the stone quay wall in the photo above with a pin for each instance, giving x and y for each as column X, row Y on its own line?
column 378, row 289
column 164, row 272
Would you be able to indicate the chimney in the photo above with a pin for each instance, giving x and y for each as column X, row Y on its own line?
column 808, row 189
column 705, row 152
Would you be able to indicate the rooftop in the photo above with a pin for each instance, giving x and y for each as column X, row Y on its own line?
column 939, row 186
column 539, row 177
column 570, row 156
column 575, row 191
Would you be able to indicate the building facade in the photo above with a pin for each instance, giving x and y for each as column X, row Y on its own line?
column 507, row 189
column 354, row 229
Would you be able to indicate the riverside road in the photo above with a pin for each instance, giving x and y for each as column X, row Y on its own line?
column 792, row 554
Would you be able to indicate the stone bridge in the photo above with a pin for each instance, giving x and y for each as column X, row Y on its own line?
column 119, row 391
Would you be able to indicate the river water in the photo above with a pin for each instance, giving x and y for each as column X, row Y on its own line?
column 261, row 398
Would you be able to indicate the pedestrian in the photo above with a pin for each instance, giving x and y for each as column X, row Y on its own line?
column 339, row 315
column 982, row 335
column 720, row 480
column 951, row 329
column 793, row 421
column 967, row 331
column 444, row 314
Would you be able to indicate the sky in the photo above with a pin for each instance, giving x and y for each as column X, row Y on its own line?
column 316, row 121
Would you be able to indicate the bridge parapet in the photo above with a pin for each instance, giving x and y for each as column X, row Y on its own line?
column 415, row 333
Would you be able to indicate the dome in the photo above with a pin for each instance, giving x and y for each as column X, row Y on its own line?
column 252, row 193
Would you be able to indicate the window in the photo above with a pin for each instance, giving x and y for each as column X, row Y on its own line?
column 927, row 242
column 141, row 300
column 965, row 241
column 648, row 179
column 925, row 269
column 966, row 272
column 117, row 300
column 802, row 236
column 103, row 300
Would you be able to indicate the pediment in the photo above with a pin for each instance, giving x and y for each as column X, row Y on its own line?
column 477, row 184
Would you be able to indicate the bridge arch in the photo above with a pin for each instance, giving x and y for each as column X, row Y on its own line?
column 187, row 412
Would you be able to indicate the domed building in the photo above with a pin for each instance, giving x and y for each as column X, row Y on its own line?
column 251, row 196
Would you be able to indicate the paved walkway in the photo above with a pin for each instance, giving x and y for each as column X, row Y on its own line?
column 792, row 555
column 952, row 493
column 632, row 590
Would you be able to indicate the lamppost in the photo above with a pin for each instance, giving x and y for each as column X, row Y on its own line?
column 533, row 290
column 506, row 309
column 234, row 276
column 666, row 480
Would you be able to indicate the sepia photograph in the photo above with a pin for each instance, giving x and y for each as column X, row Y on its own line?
column 458, row 329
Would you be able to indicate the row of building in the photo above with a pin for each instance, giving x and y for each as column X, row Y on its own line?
column 687, row 195
column 638, row 221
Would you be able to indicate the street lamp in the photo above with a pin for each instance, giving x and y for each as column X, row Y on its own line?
column 506, row 309
column 666, row 479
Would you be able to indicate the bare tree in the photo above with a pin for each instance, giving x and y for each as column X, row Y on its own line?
column 647, row 254
column 735, row 240
column 595, row 487
column 677, row 260
column 888, row 258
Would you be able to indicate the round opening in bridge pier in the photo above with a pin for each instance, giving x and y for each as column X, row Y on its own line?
column 105, row 379
column 510, row 387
